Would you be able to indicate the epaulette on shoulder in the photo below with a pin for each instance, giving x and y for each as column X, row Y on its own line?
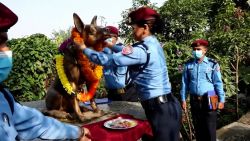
column 190, row 61
column 212, row 60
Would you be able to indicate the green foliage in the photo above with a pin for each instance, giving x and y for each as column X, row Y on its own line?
column 185, row 19
column 32, row 66
column 176, row 56
column 228, row 35
column 245, row 74
column 101, row 90
column 126, row 31
column 61, row 35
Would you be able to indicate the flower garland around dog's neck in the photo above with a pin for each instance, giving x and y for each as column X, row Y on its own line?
column 82, row 96
column 62, row 76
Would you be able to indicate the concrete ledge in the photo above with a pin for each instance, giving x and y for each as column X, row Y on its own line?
column 236, row 131
column 123, row 107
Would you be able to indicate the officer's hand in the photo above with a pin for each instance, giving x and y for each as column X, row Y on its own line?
column 184, row 106
column 110, row 42
column 221, row 105
column 86, row 136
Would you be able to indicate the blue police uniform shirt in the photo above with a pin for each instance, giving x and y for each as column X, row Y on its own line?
column 114, row 76
column 199, row 78
column 28, row 123
column 153, row 81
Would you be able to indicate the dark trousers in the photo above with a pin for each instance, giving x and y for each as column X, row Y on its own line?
column 204, row 120
column 164, row 118
column 128, row 94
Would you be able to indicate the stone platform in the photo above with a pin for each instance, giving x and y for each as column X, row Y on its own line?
column 111, row 109
column 236, row 131
column 115, row 107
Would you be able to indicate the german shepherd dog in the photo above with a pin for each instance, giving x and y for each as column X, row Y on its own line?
column 79, row 71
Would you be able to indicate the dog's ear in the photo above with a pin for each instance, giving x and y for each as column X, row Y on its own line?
column 93, row 22
column 78, row 23
column 93, row 29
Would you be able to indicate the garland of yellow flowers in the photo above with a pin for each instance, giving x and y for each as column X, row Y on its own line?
column 62, row 76
column 65, row 82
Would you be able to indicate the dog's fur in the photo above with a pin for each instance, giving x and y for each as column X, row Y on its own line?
column 79, row 71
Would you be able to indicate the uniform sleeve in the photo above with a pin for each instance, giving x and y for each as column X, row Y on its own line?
column 31, row 124
column 218, row 84
column 184, row 84
column 117, row 48
column 137, row 56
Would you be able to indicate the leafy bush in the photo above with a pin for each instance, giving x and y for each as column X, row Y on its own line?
column 32, row 66
column 176, row 56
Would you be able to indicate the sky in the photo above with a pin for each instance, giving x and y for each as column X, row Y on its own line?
column 46, row 16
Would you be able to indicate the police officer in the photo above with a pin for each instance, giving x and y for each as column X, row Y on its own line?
column 18, row 122
column 200, row 77
column 148, row 72
column 115, row 76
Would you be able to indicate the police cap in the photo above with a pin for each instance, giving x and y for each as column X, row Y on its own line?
column 142, row 15
column 112, row 30
column 199, row 42
column 7, row 18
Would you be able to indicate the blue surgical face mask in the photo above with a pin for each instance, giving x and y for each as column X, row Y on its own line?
column 197, row 54
column 5, row 64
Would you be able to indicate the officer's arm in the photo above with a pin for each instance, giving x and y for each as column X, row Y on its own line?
column 99, row 58
column 184, row 84
column 31, row 124
column 218, row 84
column 137, row 56
column 117, row 48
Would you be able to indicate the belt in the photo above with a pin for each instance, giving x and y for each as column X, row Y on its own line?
column 198, row 97
column 163, row 98
column 119, row 91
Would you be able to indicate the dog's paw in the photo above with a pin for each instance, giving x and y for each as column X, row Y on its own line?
column 100, row 112
column 82, row 118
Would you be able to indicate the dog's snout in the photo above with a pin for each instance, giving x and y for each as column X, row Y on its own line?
column 105, row 31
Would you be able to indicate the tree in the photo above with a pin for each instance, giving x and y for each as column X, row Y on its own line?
column 229, row 34
column 32, row 68
column 61, row 35
column 224, row 23
column 126, row 32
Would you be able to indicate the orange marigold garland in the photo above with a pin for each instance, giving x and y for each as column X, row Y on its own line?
column 92, row 75
column 92, row 79
column 76, row 36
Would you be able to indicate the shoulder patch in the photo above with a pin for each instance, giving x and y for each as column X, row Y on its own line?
column 127, row 50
